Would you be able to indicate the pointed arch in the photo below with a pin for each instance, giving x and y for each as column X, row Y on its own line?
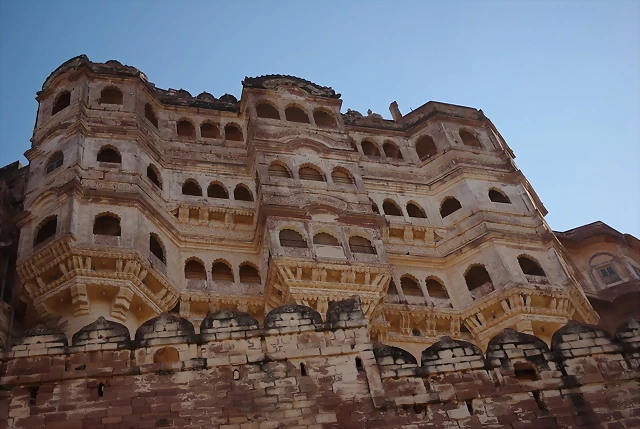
column 194, row 269
column 530, row 266
column 415, row 211
column 249, row 274
column 221, row 271
column 391, row 150
column 449, row 206
column 389, row 207
column 107, row 224
column 109, row 154
column 217, row 190
column 477, row 276
column 110, row 95
column 62, row 101
column 242, row 193
column 209, row 131
column 436, row 288
column 276, row 169
column 410, row 286
column 426, row 147
column 191, row 187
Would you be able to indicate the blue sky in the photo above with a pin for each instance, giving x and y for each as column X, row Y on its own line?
column 560, row 80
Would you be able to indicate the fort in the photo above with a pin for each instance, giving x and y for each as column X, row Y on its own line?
column 197, row 262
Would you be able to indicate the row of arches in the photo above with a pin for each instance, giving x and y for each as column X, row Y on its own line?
column 221, row 271
column 294, row 113
column 217, row 190
column 339, row 175
column 448, row 206
column 209, row 130
column 425, row 146
column 293, row 239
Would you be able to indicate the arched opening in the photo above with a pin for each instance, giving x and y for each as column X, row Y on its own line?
column 106, row 224
column 426, row 147
column 46, row 230
column 436, row 289
column 477, row 276
column 310, row 173
column 391, row 208
column 391, row 150
column 156, row 248
column 56, row 160
column 191, row 187
column 236, row 375
column 374, row 207
column 296, row 114
column 249, row 274
column 498, row 197
column 216, row 190
column 525, row 371
column 359, row 366
column 410, row 287
column 392, row 289
column 209, row 131
column 468, row 139
column 530, row 267
column 370, row 148
column 303, row 370
column 185, row 128
column 325, row 239
column 62, row 102
column 242, row 193
column 166, row 355
column 154, row 175
column 109, row 154
column 233, row 133
column 194, row 270
column 324, row 119
column 111, row 95
column 278, row 170
column 221, row 272
column 291, row 238
column 414, row 211
column 268, row 111
column 150, row 115
column 359, row 244
column 341, row 176
column 450, row 205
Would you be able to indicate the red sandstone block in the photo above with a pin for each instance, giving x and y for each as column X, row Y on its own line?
column 119, row 411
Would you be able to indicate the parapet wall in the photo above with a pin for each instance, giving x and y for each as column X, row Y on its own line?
column 298, row 371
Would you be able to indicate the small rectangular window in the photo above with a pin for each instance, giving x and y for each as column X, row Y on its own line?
column 609, row 275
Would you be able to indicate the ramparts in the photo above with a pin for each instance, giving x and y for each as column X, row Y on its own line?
column 300, row 371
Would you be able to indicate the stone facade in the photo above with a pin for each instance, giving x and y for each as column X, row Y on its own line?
column 271, row 262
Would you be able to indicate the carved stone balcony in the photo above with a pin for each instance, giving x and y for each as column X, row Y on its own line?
column 483, row 290
column 541, row 280
column 158, row 264
column 106, row 240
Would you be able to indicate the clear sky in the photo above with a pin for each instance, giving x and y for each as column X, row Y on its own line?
column 560, row 80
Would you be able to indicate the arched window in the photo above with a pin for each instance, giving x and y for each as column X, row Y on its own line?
column 374, row 207
column 310, row 173
column 278, row 170
column 449, row 206
column 154, row 175
column 156, row 248
column 194, row 270
column 391, row 150
column 191, row 187
column 341, row 176
column 62, row 102
column 216, row 190
column 209, row 131
column 233, row 133
column 291, row 238
column 56, row 160
column 426, row 147
column 185, row 128
column 359, row 244
column 221, row 272
column 410, row 287
column 530, row 267
column 476, row 277
column 46, row 230
column 370, row 148
column 325, row 239
column 296, row 114
column 498, row 197
column 469, row 139
column 392, row 289
column 110, row 95
column 109, row 154
column 150, row 115
column 249, row 274
column 413, row 210
column 242, row 193
column 166, row 355
column 106, row 224
column 436, row 289
column 391, row 208
column 266, row 110
column 324, row 119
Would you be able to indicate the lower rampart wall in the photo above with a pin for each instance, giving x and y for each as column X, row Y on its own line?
column 300, row 372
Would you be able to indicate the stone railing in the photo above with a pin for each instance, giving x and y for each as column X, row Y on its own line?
column 106, row 240
column 158, row 264
column 482, row 290
column 540, row 280
column 197, row 284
